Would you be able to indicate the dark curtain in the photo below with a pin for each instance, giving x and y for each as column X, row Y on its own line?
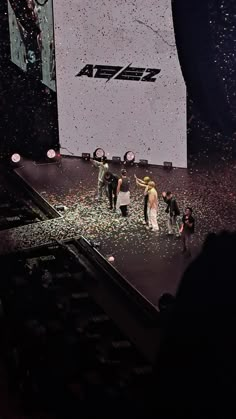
column 196, row 51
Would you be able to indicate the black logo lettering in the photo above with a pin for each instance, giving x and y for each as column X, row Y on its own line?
column 106, row 72
column 152, row 72
column 86, row 71
column 129, row 73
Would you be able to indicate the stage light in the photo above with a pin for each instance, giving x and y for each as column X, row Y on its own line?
column 50, row 157
column 116, row 160
column 15, row 158
column 167, row 165
column 99, row 153
column 86, row 156
column 51, row 154
column 129, row 157
column 143, row 162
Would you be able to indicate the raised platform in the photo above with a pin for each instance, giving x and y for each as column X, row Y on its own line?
column 151, row 262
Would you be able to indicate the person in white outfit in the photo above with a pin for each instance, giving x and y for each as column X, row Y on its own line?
column 152, row 206
column 123, row 193
column 103, row 169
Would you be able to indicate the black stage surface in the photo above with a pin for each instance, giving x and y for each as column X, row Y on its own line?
column 150, row 261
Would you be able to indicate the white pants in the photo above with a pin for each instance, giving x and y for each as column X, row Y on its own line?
column 152, row 218
column 100, row 189
column 123, row 199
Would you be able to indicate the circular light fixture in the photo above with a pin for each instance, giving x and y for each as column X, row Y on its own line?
column 51, row 154
column 15, row 158
column 99, row 153
column 129, row 157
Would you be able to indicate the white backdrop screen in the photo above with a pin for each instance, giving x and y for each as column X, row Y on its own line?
column 119, row 81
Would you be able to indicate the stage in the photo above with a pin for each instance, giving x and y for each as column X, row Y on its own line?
column 152, row 262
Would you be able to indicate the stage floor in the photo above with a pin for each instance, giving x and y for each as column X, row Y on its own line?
column 151, row 261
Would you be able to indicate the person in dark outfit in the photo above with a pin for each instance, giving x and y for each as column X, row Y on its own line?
column 187, row 230
column 173, row 212
column 144, row 184
column 123, row 193
column 112, row 182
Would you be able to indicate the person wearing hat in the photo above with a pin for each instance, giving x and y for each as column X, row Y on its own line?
column 123, row 193
column 144, row 184
column 187, row 230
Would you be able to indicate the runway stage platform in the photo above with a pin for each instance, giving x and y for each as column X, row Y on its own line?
column 151, row 262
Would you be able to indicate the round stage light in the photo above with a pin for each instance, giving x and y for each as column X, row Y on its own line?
column 129, row 157
column 51, row 154
column 15, row 158
column 99, row 153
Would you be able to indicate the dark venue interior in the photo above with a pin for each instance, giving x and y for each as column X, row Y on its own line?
column 28, row 108
column 100, row 317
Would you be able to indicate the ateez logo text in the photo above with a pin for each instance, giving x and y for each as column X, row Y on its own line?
column 119, row 73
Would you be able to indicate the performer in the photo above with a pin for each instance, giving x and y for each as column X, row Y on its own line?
column 173, row 212
column 187, row 230
column 123, row 193
column 112, row 182
column 103, row 168
column 144, row 184
column 152, row 206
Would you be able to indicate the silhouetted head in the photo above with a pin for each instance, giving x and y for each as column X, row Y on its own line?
column 168, row 195
column 108, row 175
column 197, row 357
column 188, row 211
